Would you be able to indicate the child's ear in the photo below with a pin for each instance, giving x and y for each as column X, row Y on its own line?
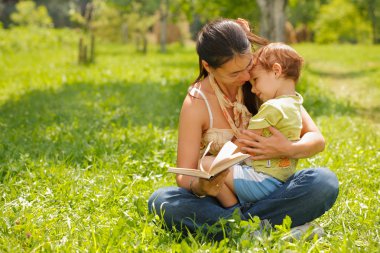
column 277, row 69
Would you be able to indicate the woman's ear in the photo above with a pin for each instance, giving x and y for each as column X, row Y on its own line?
column 277, row 69
column 206, row 66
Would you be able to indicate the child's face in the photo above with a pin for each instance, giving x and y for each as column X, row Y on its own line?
column 264, row 83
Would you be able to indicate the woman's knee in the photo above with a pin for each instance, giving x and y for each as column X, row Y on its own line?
column 165, row 198
column 325, row 186
column 157, row 199
column 327, row 179
column 152, row 199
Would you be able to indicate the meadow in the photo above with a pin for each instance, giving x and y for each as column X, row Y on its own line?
column 82, row 147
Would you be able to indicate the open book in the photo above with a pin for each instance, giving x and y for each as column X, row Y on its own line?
column 224, row 160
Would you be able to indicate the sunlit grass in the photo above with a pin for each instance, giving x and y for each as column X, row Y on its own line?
column 83, row 147
column 349, row 72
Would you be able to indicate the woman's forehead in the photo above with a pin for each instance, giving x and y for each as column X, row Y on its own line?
column 238, row 63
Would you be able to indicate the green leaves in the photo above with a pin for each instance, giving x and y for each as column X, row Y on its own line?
column 329, row 27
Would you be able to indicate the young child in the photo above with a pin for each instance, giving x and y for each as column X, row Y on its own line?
column 275, row 73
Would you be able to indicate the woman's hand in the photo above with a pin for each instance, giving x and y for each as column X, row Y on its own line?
column 277, row 146
column 211, row 187
column 262, row 148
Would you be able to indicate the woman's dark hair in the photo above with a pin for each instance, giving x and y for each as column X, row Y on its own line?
column 218, row 42
column 251, row 101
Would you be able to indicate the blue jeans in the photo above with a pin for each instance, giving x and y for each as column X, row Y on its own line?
column 304, row 197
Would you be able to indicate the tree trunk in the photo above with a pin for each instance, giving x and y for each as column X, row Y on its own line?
column 372, row 16
column 164, row 9
column 273, row 19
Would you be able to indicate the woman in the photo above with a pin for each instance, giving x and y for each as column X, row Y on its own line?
column 213, row 110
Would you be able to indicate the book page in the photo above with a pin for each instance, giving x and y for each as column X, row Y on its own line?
column 226, row 151
column 204, row 154
column 228, row 162
column 190, row 172
column 224, row 160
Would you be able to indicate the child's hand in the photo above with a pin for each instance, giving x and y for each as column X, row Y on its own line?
column 244, row 24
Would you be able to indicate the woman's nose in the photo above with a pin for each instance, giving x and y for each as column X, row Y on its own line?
column 245, row 75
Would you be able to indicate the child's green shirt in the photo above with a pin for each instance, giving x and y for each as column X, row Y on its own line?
column 283, row 113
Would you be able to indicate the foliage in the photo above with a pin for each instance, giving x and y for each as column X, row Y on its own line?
column 198, row 12
column 107, row 21
column 75, row 16
column 370, row 10
column 118, row 20
column 128, row 20
column 340, row 21
column 59, row 10
column 83, row 147
column 24, row 39
column 28, row 14
column 139, row 20
column 208, row 10
column 302, row 12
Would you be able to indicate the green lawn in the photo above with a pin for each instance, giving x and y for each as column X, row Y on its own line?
column 83, row 147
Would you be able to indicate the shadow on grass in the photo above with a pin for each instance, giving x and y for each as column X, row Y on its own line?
column 343, row 75
column 319, row 102
column 327, row 104
column 73, row 121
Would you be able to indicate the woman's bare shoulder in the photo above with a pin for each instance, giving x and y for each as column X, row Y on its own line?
column 198, row 93
column 194, row 106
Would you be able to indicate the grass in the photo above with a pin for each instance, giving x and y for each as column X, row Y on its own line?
column 83, row 147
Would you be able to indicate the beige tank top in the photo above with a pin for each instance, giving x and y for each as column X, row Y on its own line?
column 218, row 136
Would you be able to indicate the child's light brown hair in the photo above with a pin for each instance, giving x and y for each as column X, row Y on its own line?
column 286, row 56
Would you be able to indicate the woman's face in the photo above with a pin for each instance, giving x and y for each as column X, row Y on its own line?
column 235, row 72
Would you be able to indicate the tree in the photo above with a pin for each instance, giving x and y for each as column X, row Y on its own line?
column 140, row 16
column 58, row 10
column 341, row 21
column 28, row 14
column 273, row 18
column 199, row 12
column 302, row 15
column 370, row 9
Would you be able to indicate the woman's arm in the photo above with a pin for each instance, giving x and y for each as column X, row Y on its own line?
column 277, row 145
column 189, row 137
column 193, row 118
